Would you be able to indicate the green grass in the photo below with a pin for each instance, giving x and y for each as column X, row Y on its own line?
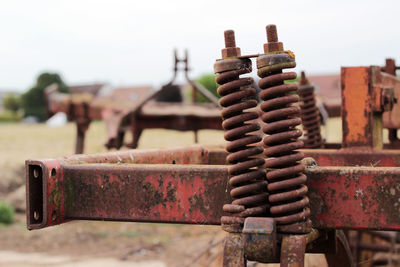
column 9, row 117
column 6, row 213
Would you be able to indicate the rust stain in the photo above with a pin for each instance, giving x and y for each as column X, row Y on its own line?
column 356, row 106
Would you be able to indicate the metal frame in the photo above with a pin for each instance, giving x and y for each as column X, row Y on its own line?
column 355, row 187
column 119, row 120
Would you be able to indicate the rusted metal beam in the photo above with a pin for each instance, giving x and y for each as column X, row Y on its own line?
column 178, row 122
column 59, row 190
column 334, row 157
column 354, row 157
column 293, row 250
column 369, row 103
column 195, row 154
column 355, row 197
column 361, row 124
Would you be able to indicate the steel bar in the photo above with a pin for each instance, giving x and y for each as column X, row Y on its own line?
column 293, row 250
column 58, row 191
column 354, row 157
column 324, row 157
column 215, row 155
column 335, row 157
column 195, row 154
column 360, row 120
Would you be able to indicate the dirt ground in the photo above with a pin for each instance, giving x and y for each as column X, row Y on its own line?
column 90, row 243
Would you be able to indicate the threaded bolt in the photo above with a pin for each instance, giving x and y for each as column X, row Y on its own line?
column 229, row 38
column 272, row 34
column 273, row 45
column 230, row 49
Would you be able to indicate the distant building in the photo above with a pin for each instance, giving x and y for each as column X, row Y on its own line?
column 88, row 88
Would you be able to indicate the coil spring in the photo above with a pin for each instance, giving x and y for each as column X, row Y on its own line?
column 286, row 182
column 309, row 114
column 247, row 177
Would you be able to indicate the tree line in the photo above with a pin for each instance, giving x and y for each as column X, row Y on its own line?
column 33, row 102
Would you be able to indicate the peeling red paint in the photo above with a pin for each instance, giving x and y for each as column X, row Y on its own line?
column 340, row 197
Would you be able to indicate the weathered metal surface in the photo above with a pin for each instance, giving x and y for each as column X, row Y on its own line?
column 249, row 188
column 354, row 157
column 369, row 103
column 309, row 114
column 44, row 196
column 260, row 239
column 355, row 197
column 293, row 250
column 230, row 50
column 234, row 251
column 340, row 197
column 287, row 189
column 180, row 194
column 195, row 154
column 152, row 193
column 361, row 126
column 332, row 157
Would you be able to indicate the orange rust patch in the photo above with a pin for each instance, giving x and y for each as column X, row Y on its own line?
column 355, row 92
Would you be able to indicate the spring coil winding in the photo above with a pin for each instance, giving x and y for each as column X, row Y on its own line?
column 286, row 182
column 309, row 114
column 247, row 176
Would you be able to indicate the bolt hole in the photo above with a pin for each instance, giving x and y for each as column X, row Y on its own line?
column 53, row 172
column 173, row 162
column 36, row 173
column 36, row 215
column 54, row 215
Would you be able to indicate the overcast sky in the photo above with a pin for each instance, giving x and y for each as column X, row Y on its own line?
column 131, row 42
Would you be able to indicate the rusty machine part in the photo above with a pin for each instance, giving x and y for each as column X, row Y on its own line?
column 247, row 176
column 309, row 114
column 391, row 68
column 154, row 112
column 355, row 187
column 286, row 182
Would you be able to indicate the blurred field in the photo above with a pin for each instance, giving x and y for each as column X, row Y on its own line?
column 173, row 245
column 38, row 141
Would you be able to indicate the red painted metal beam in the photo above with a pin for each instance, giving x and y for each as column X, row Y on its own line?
column 341, row 197
column 335, row 157
column 355, row 197
column 354, row 157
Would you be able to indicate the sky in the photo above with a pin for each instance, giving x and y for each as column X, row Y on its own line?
column 130, row 43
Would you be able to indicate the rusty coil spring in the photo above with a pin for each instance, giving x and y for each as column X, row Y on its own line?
column 286, row 182
column 247, row 177
column 309, row 114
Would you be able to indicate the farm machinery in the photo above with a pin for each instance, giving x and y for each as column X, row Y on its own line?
column 276, row 192
column 139, row 108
